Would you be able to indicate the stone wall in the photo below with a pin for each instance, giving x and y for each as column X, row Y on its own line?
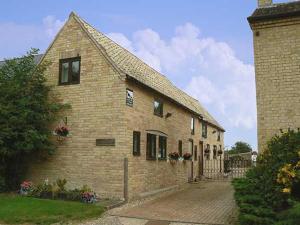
column 146, row 175
column 276, row 48
column 97, row 112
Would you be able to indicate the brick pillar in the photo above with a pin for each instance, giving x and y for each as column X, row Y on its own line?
column 264, row 3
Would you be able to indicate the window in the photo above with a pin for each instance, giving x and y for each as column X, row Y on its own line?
column 69, row 71
column 180, row 148
column 207, row 151
column 215, row 152
column 192, row 125
column 195, row 153
column 162, row 147
column 219, row 135
column 136, row 143
column 191, row 144
column 204, row 130
column 158, row 108
column 129, row 97
column 151, row 146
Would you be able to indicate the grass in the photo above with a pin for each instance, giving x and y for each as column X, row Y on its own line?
column 17, row 210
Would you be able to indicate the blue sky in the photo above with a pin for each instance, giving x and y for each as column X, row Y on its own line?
column 204, row 47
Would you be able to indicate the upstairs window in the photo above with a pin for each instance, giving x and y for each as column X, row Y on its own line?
column 219, row 136
column 191, row 145
column 158, row 108
column 207, row 152
column 136, row 143
column 215, row 152
column 69, row 71
column 180, row 148
column 162, row 147
column 204, row 130
column 151, row 146
column 192, row 125
column 129, row 97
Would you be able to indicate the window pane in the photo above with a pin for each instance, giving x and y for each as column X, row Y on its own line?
column 64, row 72
column 191, row 147
column 162, row 147
column 129, row 97
column 192, row 125
column 151, row 146
column 158, row 108
column 136, row 142
column 75, row 71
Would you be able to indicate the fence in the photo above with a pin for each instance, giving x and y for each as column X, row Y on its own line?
column 225, row 168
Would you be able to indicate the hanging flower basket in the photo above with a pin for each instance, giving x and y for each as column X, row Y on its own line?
column 61, row 132
column 220, row 152
column 187, row 156
column 206, row 151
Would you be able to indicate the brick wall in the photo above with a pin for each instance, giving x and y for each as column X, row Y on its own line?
column 146, row 175
column 97, row 112
column 276, row 48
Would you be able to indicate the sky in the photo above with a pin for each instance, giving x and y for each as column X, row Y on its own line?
column 204, row 47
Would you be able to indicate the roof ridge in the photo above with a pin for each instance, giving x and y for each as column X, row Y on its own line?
column 73, row 13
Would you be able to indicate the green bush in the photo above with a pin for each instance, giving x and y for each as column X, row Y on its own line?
column 248, row 219
column 28, row 109
column 2, row 184
column 259, row 195
column 290, row 216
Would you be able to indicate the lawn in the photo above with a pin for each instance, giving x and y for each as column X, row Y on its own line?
column 17, row 210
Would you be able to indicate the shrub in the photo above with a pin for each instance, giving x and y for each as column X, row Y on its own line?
column 28, row 109
column 2, row 184
column 270, row 187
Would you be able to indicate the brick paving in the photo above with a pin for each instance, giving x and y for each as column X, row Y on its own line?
column 201, row 203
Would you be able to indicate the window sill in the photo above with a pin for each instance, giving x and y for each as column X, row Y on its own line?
column 156, row 114
column 136, row 154
column 151, row 159
column 162, row 159
column 67, row 84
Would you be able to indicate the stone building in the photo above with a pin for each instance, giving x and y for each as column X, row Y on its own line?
column 276, row 34
column 124, row 121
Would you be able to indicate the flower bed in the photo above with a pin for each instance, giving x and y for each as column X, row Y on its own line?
column 57, row 190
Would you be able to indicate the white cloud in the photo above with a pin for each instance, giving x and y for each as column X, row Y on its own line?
column 208, row 69
column 52, row 25
column 19, row 38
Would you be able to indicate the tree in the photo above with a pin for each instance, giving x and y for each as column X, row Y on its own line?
column 240, row 147
column 27, row 109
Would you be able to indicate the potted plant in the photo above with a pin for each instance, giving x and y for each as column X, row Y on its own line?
column 187, row 156
column 220, row 152
column 174, row 155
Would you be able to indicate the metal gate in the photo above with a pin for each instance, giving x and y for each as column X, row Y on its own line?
column 227, row 168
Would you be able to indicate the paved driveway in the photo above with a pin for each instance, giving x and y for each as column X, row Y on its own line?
column 201, row 203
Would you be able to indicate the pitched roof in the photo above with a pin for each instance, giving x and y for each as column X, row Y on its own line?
column 133, row 67
column 276, row 11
